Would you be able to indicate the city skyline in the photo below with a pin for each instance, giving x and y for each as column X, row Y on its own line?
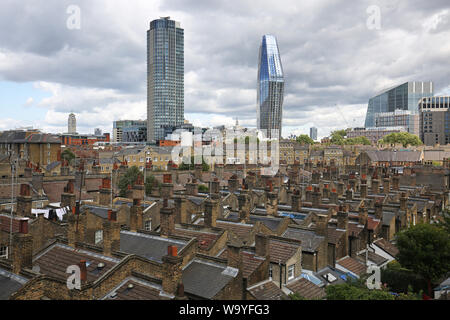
column 98, row 71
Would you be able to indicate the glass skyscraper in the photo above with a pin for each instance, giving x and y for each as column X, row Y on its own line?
column 403, row 97
column 165, row 77
column 270, row 86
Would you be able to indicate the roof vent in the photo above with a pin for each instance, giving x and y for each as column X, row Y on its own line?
column 113, row 295
column 130, row 286
column 101, row 265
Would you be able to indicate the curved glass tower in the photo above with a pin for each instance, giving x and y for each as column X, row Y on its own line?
column 270, row 86
column 165, row 77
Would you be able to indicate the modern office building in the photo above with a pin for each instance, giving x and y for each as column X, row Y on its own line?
column 165, row 77
column 403, row 97
column 135, row 133
column 435, row 120
column 313, row 133
column 270, row 87
column 121, row 125
column 72, row 124
column 399, row 118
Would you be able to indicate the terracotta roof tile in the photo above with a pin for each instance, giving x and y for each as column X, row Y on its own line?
column 306, row 289
column 352, row 265
column 205, row 239
column 268, row 291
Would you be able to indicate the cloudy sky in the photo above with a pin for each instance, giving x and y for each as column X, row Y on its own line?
column 334, row 58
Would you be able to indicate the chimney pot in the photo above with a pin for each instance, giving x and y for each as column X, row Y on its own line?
column 83, row 270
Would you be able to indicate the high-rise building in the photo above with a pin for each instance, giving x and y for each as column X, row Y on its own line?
column 270, row 86
column 399, row 118
column 313, row 133
column 72, row 124
column 435, row 120
column 165, row 77
column 403, row 97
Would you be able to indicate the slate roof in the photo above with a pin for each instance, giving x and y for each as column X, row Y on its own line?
column 394, row 156
column 54, row 261
column 141, row 290
column 205, row 239
column 387, row 218
column 98, row 211
column 206, row 279
column 334, row 234
column 267, row 290
column 239, row 229
column 386, row 246
column 250, row 262
column 20, row 137
column 354, row 228
column 148, row 246
column 352, row 265
column 52, row 165
column 310, row 240
column 306, row 289
column 196, row 200
column 372, row 256
column 281, row 250
column 9, row 284
column 269, row 222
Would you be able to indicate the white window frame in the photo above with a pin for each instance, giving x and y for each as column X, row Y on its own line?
column 4, row 252
column 98, row 236
column 291, row 269
column 148, row 225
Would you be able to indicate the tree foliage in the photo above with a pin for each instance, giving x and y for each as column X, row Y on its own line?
column 338, row 137
column 129, row 178
column 404, row 138
column 191, row 165
column 203, row 188
column 348, row 291
column 402, row 280
column 150, row 184
column 445, row 222
column 425, row 249
column 68, row 155
column 304, row 139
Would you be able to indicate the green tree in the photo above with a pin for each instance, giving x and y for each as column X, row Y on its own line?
column 304, row 139
column 296, row 296
column 348, row 291
column 357, row 141
column 68, row 155
column 342, row 133
column 404, row 138
column 203, row 188
column 445, row 222
column 425, row 249
column 129, row 178
column 150, row 183
column 191, row 165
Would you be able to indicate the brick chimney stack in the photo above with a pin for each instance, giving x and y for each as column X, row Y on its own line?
column 167, row 186
column 296, row 201
column 172, row 273
column 342, row 218
column 22, row 250
column 378, row 209
column 375, row 183
column 396, row 182
column 315, row 177
column 340, row 188
column 136, row 216
column 233, row 183
column 403, row 202
column 262, row 245
column 218, row 169
column 24, row 201
column 105, row 192
column 38, row 181
column 192, row 187
column 211, row 213
column 198, row 170
column 386, row 185
column 234, row 255
column 111, row 234
column 326, row 191
column 308, row 193
column 83, row 271
column 271, row 200
column 316, row 197
column 322, row 225
column 167, row 219
column 181, row 214
column 68, row 197
column 363, row 190
column 362, row 215
column 243, row 203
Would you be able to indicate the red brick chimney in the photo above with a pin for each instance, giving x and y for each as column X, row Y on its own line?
column 24, row 201
column 83, row 270
column 172, row 274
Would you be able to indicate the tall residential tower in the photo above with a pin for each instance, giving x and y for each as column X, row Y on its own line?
column 72, row 124
column 270, row 87
column 165, row 77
